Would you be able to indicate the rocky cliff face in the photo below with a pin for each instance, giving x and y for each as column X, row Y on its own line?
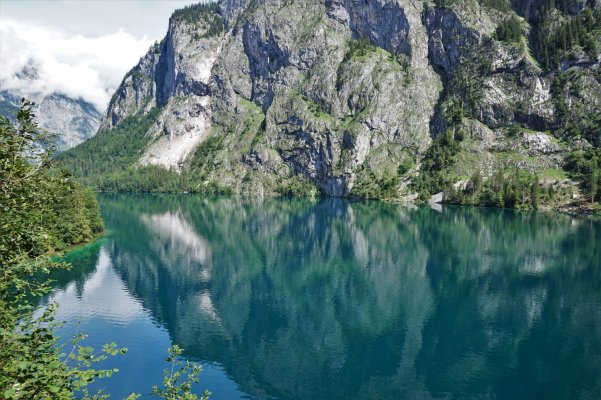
column 173, row 75
column 260, row 95
column 71, row 120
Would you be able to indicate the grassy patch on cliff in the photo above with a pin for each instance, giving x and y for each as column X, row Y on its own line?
column 253, row 126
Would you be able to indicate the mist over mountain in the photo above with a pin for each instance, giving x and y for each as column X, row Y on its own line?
column 71, row 121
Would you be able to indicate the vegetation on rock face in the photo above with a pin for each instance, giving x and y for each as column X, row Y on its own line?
column 510, row 30
column 585, row 166
column 207, row 13
column 368, row 186
column 204, row 156
column 359, row 48
column 575, row 122
column 433, row 176
column 506, row 189
column 500, row 5
column 444, row 3
column 107, row 162
column 562, row 36
column 109, row 152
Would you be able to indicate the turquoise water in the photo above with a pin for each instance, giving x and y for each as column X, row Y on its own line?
column 330, row 299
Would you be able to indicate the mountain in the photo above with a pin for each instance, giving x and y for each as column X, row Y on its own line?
column 71, row 120
column 487, row 101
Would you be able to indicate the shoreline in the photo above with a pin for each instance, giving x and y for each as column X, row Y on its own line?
column 79, row 246
column 582, row 210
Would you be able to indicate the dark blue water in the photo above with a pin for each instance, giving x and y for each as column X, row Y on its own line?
column 329, row 299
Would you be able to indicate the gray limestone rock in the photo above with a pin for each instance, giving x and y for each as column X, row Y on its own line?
column 318, row 90
column 70, row 120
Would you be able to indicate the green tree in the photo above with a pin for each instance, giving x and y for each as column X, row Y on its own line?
column 510, row 30
column 35, row 199
column 535, row 193
column 593, row 182
column 44, row 210
column 476, row 182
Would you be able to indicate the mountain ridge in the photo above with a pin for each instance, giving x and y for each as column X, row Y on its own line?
column 70, row 120
column 352, row 98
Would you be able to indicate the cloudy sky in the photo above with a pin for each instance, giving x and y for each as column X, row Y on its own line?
column 81, row 48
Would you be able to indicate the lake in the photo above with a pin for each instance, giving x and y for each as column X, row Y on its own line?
column 332, row 299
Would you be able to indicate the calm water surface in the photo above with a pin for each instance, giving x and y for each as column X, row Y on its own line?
column 330, row 299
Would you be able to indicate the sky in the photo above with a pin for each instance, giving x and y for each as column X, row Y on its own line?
column 80, row 48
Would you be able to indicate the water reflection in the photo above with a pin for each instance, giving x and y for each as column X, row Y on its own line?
column 332, row 299
column 119, row 308
column 176, row 242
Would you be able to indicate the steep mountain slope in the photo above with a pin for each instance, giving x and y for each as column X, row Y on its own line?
column 379, row 98
column 71, row 120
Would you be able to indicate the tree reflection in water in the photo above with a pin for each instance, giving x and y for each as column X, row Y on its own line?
column 329, row 299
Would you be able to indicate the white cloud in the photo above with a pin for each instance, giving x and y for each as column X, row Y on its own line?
column 90, row 67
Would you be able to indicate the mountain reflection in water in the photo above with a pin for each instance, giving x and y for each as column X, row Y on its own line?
column 331, row 299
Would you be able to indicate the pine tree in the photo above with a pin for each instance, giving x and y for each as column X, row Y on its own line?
column 535, row 193
column 593, row 182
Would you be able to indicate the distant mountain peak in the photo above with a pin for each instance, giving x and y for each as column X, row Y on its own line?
column 29, row 72
column 71, row 120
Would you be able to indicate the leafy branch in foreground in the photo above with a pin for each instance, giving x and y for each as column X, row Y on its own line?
column 178, row 379
column 43, row 210
column 40, row 368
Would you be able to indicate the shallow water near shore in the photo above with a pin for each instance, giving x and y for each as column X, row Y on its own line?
column 332, row 299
